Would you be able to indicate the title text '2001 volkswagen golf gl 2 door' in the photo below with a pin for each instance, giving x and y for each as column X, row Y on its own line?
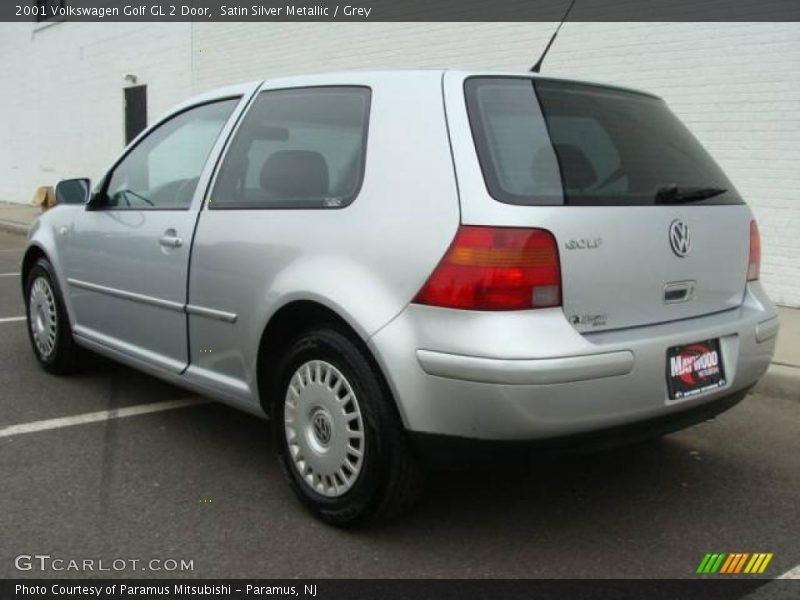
column 389, row 263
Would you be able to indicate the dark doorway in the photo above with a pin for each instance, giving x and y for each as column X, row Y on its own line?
column 135, row 111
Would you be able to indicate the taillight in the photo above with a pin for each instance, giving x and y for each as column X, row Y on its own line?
column 496, row 268
column 754, row 262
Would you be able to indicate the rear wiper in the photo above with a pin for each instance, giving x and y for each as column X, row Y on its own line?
column 672, row 194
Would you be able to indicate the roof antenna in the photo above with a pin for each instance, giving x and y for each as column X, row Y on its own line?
column 535, row 68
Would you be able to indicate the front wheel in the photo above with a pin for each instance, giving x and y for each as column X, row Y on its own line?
column 48, row 325
column 340, row 440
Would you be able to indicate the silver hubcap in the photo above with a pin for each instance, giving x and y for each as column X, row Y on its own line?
column 42, row 316
column 324, row 428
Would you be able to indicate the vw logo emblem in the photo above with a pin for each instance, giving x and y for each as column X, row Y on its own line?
column 679, row 238
column 322, row 428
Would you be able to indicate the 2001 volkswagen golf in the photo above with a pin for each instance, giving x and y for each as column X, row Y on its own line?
column 390, row 264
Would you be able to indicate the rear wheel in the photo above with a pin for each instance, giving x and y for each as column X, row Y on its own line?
column 48, row 325
column 340, row 440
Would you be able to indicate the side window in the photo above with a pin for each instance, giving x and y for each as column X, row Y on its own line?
column 297, row 148
column 162, row 171
column 514, row 147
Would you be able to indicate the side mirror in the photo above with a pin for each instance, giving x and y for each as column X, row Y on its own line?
column 72, row 191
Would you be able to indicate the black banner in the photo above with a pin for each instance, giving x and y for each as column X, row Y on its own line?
column 462, row 589
column 397, row 10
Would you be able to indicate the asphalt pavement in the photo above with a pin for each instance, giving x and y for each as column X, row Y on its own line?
column 201, row 484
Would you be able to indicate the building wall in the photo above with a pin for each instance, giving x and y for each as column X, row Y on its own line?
column 61, row 110
column 736, row 85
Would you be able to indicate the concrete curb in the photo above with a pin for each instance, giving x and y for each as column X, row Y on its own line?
column 14, row 227
column 781, row 381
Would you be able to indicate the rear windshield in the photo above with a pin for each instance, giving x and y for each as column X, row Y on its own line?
column 553, row 142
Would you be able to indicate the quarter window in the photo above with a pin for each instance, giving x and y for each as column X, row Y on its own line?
column 162, row 171
column 297, row 148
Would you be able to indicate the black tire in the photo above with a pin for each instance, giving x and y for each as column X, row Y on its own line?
column 65, row 357
column 390, row 480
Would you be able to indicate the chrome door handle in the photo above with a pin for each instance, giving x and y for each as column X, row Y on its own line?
column 170, row 239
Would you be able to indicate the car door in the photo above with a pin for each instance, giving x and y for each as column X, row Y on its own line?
column 296, row 158
column 127, row 254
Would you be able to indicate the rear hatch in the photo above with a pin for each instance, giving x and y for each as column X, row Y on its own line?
column 649, row 229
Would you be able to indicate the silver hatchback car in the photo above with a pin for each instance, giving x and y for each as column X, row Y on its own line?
column 393, row 266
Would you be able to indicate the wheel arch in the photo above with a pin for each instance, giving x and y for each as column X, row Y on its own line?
column 289, row 321
column 43, row 246
column 32, row 254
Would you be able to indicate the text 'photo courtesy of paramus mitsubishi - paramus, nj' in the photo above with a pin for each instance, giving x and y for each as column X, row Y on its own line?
column 396, row 265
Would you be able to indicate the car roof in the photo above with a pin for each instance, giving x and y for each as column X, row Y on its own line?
column 369, row 76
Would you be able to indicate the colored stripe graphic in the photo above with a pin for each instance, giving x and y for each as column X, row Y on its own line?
column 711, row 560
column 751, row 564
column 710, row 563
column 767, row 558
column 717, row 563
column 731, row 559
column 741, row 562
column 734, row 563
column 703, row 563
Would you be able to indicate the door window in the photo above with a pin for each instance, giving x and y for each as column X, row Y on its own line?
column 297, row 148
column 162, row 171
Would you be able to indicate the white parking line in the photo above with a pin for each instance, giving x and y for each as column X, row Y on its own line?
column 9, row 274
column 103, row 415
column 791, row 573
column 11, row 319
column 11, row 249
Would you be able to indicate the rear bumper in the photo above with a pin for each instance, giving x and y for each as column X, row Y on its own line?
column 529, row 375
column 449, row 451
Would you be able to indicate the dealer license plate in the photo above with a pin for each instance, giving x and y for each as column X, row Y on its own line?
column 694, row 369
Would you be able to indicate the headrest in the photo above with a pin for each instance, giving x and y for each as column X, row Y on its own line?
column 295, row 174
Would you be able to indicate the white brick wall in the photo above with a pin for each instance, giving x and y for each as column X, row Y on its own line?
column 61, row 110
column 736, row 85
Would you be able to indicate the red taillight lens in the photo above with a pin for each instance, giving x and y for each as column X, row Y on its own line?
column 754, row 263
column 496, row 268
